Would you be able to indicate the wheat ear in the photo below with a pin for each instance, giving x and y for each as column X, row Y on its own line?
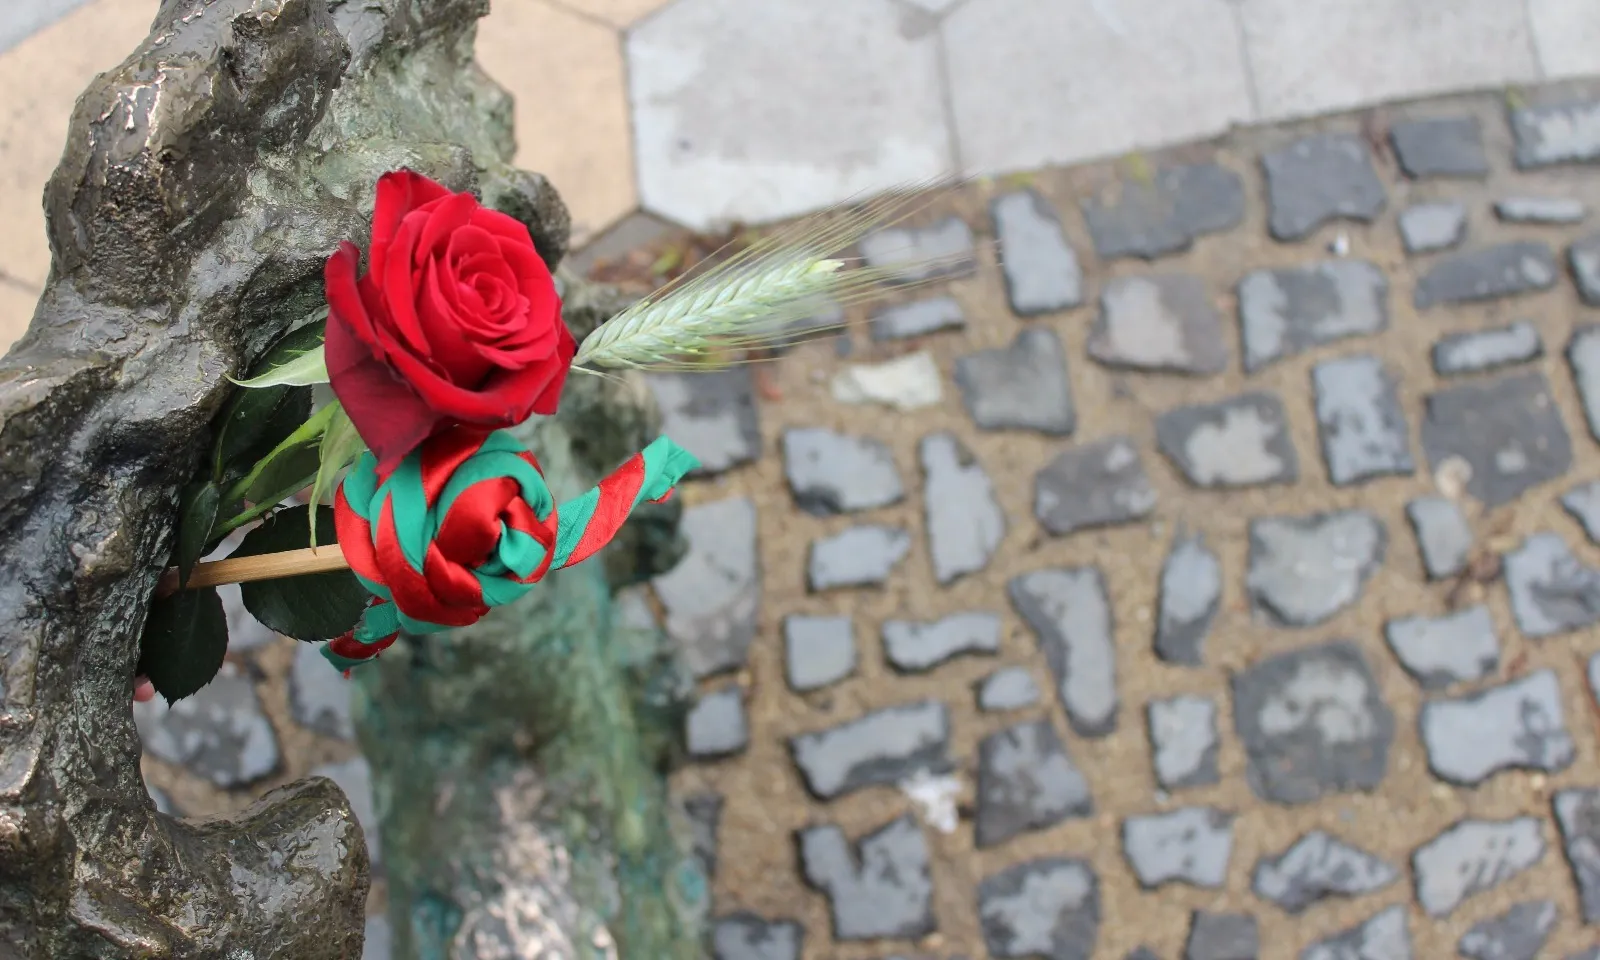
column 756, row 297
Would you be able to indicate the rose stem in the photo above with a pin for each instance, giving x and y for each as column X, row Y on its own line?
column 265, row 566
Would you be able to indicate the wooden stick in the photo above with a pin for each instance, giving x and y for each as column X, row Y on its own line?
column 266, row 566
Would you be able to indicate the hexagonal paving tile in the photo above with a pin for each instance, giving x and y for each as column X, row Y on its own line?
column 758, row 111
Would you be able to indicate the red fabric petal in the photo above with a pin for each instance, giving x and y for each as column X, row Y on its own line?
column 410, row 589
column 355, row 538
column 472, row 529
column 618, row 491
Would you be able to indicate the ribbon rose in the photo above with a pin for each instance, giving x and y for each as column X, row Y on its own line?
column 466, row 523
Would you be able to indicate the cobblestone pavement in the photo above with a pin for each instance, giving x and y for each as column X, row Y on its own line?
column 1210, row 570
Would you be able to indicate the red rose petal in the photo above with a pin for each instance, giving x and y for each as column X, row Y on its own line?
column 390, row 417
column 345, row 303
column 444, row 224
column 442, row 322
column 398, row 194
column 399, row 285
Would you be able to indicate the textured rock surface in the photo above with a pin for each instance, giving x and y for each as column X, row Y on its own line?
column 1041, row 269
column 1444, row 537
column 818, row 651
column 1518, row 725
column 1386, row 936
column 1222, row 936
column 1458, row 647
column 831, row 472
column 712, row 414
column 1020, row 387
column 1048, row 907
column 1094, row 485
column 1360, row 420
column 1429, row 227
column 861, row 556
column 221, row 733
column 1552, row 591
column 1578, row 817
column 1507, row 430
column 1242, row 441
column 913, row 646
column 880, row 890
column 1166, row 214
column 1289, row 311
column 1009, row 688
column 1070, row 617
column 1440, row 147
column 1160, row 321
column 1303, row 570
column 1183, row 741
column 964, row 520
column 1479, row 350
column 713, row 595
column 1523, row 266
column 1026, row 781
column 1191, row 594
column 1318, row 866
column 1320, row 179
column 1190, row 845
column 1517, row 934
column 1473, row 856
column 882, row 747
column 1313, row 723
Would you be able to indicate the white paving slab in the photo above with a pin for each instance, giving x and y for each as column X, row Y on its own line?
column 1317, row 56
column 758, row 111
column 1041, row 82
column 1566, row 35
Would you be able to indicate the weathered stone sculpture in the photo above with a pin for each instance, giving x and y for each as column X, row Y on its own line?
column 204, row 182
column 517, row 764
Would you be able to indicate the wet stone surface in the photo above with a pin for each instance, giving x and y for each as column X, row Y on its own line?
column 1164, row 321
column 1459, row 647
column 1508, row 431
column 1480, row 350
column 1048, row 907
column 1041, row 270
column 1288, row 311
column 1069, row 614
column 1473, row 856
column 1318, row 180
column 1303, row 570
column 1026, row 781
column 1242, row 441
column 1312, row 723
column 1191, row 593
column 1190, row 845
column 1166, row 215
column 1024, row 386
column 880, row 889
column 1523, row 266
column 1517, row 934
column 1317, row 866
column 1360, row 421
column 1093, row 485
column 1440, row 147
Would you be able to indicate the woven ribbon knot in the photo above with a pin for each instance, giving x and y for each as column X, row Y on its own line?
column 466, row 523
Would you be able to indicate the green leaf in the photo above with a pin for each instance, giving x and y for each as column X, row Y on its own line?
column 295, row 360
column 197, row 514
column 302, row 371
column 288, row 471
column 341, row 445
column 255, row 422
column 318, row 606
column 185, row 639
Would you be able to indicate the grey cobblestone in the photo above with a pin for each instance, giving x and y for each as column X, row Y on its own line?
column 1189, row 845
column 1480, row 350
column 1288, row 311
column 712, row 414
column 917, row 318
column 1584, row 257
column 1518, row 725
column 1026, row 781
column 1222, row 936
column 964, row 521
column 220, row 734
column 746, row 936
column 1093, row 485
column 716, row 726
column 1242, row 441
column 1048, row 907
column 883, row 747
column 1070, row 617
column 1320, row 179
column 1166, row 215
column 818, row 651
column 1009, row 688
column 1459, row 647
column 1441, row 147
column 1303, row 570
column 831, row 472
column 1024, row 386
column 1583, row 354
column 1360, row 421
column 1183, row 741
column 1556, row 133
column 1316, row 867
column 1041, row 270
column 1517, row 934
column 712, row 597
column 861, row 556
column 915, row 647
column 1552, row 591
column 1473, row 856
column 1522, row 266
column 1550, row 210
column 1431, row 227
column 704, row 813
column 1508, row 431
column 1578, row 817
column 1583, row 504
column 1385, row 936
column 913, row 254
column 882, row 889
column 1162, row 321
column 1191, row 594
column 1444, row 537
column 319, row 697
column 1313, row 723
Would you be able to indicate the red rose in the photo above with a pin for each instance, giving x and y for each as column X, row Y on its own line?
column 457, row 320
